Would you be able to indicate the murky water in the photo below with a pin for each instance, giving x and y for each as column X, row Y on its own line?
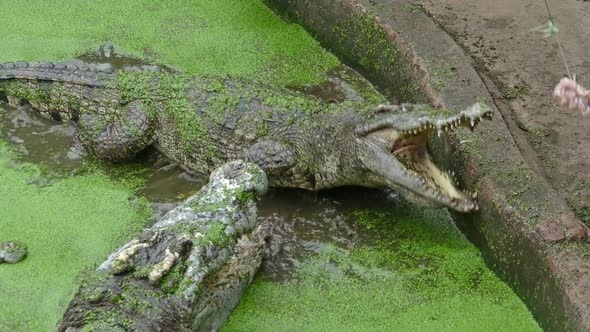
column 38, row 139
column 304, row 223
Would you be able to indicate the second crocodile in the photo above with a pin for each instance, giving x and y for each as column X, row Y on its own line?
column 203, row 122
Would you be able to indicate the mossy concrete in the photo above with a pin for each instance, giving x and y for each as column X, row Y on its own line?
column 525, row 230
column 359, row 42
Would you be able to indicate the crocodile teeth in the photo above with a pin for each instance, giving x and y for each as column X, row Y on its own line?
column 439, row 132
column 474, row 195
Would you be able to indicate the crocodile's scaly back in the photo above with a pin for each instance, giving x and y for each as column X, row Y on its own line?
column 71, row 73
column 56, row 90
column 210, row 120
column 199, row 121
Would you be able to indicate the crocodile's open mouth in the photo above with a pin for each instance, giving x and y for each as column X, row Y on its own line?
column 411, row 151
column 399, row 138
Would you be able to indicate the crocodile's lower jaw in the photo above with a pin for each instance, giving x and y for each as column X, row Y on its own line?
column 413, row 154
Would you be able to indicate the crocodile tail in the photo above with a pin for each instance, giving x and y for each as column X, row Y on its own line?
column 74, row 73
column 55, row 90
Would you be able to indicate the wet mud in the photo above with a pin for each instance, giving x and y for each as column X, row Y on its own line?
column 303, row 223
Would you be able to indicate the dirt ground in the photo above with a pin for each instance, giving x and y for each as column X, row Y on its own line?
column 525, row 67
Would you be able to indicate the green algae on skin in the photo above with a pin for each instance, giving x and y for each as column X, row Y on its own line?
column 68, row 226
column 412, row 271
column 214, row 37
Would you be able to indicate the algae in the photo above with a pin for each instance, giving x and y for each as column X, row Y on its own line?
column 68, row 226
column 239, row 38
column 412, row 271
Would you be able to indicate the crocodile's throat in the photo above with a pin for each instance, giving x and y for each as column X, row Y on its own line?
column 411, row 151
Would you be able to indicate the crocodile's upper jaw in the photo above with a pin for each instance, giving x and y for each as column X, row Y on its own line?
column 399, row 159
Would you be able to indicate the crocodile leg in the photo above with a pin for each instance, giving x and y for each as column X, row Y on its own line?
column 272, row 157
column 280, row 164
column 119, row 136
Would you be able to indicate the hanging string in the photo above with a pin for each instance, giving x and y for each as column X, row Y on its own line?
column 552, row 30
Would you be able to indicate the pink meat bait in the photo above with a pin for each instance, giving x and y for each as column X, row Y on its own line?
column 572, row 95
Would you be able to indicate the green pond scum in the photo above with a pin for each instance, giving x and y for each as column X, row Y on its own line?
column 416, row 273
column 413, row 272
column 219, row 37
column 70, row 225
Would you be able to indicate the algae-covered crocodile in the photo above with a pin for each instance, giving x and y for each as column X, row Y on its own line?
column 203, row 122
column 188, row 271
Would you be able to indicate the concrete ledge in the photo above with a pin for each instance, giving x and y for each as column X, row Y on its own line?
column 525, row 230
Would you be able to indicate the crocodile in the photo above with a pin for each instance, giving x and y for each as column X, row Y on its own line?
column 204, row 121
column 186, row 272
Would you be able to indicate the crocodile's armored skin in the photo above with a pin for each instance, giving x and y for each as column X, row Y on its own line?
column 188, row 271
column 204, row 122
column 201, row 122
